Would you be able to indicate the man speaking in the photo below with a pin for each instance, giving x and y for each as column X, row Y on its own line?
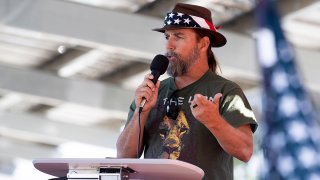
column 196, row 115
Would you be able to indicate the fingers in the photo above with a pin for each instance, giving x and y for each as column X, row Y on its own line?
column 155, row 92
column 204, row 109
column 147, row 90
column 148, row 83
column 216, row 98
column 144, row 92
column 200, row 100
column 195, row 102
column 158, row 84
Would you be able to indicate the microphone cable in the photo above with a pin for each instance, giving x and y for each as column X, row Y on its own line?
column 139, row 128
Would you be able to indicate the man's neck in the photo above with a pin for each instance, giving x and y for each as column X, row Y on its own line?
column 194, row 74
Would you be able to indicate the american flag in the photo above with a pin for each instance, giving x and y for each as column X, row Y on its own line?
column 291, row 135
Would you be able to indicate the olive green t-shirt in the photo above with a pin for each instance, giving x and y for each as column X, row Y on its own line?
column 185, row 138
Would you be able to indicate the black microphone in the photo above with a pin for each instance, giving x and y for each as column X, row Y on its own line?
column 158, row 67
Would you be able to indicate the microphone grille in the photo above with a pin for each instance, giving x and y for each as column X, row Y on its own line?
column 159, row 63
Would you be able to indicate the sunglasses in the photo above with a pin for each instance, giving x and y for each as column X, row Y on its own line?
column 172, row 107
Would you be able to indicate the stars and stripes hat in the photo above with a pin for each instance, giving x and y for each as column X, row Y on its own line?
column 195, row 17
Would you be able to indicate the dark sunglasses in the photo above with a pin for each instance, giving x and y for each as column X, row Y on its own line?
column 172, row 107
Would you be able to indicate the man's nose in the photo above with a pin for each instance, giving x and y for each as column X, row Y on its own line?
column 170, row 44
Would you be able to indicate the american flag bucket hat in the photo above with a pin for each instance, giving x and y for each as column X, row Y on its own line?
column 194, row 17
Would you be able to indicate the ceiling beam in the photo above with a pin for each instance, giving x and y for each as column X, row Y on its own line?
column 13, row 148
column 41, row 130
column 125, row 72
column 158, row 8
column 59, row 59
column 48, row 86
column 84, row 22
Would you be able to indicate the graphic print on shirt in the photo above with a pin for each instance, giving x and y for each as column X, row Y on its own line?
column 172, row 131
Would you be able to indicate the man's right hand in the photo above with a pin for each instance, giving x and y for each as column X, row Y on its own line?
column 149, row 91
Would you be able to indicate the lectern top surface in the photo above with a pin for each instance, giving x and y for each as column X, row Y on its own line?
column 145, row 168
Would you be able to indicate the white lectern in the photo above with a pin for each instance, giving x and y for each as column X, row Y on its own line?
column 118, row 169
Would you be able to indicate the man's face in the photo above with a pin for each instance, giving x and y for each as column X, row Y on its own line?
column 182, row 50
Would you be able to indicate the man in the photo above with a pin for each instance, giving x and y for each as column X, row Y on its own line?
column 194, row 116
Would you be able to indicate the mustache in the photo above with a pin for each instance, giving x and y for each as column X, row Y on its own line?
column 172, row 54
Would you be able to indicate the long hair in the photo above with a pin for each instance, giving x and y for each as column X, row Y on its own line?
column 212, row 61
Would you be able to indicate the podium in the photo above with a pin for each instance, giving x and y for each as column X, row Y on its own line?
column 118, row 169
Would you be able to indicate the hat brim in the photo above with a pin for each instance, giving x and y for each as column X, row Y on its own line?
column 217, row 39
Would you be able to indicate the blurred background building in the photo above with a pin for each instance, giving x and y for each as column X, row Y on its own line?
column 68, row 70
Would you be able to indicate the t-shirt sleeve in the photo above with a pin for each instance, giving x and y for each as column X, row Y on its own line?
column 235, row 108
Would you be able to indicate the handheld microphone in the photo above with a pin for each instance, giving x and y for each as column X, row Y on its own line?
column 158, row 67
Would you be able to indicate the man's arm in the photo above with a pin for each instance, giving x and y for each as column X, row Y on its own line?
column 127, row 142
column 238, row 142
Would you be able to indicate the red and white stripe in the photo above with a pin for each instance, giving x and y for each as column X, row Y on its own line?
column 204, row 23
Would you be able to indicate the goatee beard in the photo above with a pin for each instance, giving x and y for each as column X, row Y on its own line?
column 180, row 66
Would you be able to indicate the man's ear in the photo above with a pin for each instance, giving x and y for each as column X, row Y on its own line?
column 205, row 43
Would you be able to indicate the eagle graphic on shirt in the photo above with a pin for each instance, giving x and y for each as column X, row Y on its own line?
column 172, row 131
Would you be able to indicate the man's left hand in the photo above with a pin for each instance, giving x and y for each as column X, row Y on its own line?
column 204, row 110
